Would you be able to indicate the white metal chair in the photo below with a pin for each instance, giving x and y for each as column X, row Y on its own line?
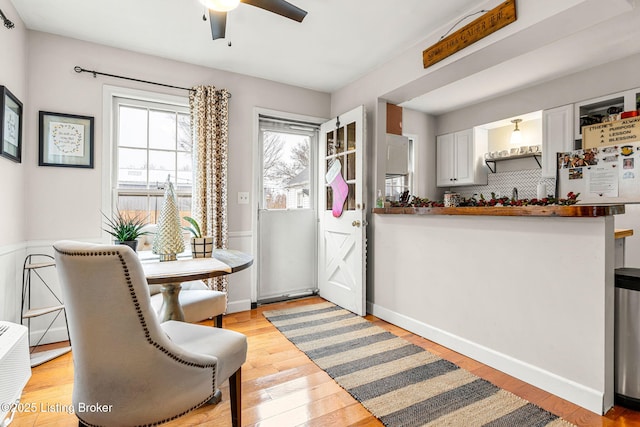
column 138, row 371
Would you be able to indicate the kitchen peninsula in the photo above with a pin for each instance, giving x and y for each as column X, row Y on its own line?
column 527, row 290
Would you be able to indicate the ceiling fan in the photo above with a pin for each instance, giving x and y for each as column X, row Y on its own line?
column 218, row 12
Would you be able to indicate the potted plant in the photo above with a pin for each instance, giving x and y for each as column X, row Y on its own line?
column 125, row 229
column 201, row 246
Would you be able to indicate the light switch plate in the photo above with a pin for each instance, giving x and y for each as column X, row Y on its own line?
column 243, row 197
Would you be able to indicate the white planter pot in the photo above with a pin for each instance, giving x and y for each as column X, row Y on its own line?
column 201, row 247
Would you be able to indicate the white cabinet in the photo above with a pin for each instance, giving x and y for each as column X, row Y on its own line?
column 557, row 137
column 596, row 110
column 459, row 158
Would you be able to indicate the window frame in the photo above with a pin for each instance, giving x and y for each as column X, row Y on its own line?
column 110, row 191
column 409, row 182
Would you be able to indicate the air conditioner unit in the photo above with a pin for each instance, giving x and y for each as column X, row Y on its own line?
column 15, row 364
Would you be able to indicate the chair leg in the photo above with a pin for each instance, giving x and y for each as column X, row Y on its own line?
column 218, row 321
column 235, row 390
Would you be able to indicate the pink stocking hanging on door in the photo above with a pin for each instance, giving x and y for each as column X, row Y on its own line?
column 339, row 187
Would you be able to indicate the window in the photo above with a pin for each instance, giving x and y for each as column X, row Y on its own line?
column 286, row 169
column 152, row 142
column 396, row 184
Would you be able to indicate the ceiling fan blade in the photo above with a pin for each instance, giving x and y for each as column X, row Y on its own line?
column 218, row 21
column 281, row 7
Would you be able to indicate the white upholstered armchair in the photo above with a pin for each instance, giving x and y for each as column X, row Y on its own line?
column 128, row 368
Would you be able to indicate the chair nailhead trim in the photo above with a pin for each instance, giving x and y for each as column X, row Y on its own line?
column 147, row 334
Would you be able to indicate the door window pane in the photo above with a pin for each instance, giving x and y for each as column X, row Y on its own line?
column 331, row 149
column 351, row 198
column 329, row 198
column 351, row 136
column 351, row 167
column 286, row 170
column 340, row 141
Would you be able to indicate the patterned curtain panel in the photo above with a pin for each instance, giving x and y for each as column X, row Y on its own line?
column 209, row 125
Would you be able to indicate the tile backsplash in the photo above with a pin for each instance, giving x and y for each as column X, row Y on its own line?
column 503, row 183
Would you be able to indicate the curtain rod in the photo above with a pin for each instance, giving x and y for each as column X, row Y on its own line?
column 79, row 69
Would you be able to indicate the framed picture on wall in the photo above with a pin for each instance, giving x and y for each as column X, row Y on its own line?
column 10, row 126
column 66, row 140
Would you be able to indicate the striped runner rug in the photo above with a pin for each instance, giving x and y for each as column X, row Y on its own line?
column 401, row 384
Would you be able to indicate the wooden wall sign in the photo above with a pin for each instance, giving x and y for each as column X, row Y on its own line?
column 478, row 29
column 617, row 132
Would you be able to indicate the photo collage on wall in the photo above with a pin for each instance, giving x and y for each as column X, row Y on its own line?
column 604, row 171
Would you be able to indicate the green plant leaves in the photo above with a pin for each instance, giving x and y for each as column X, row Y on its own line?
column 194, row 228
column 123, row 227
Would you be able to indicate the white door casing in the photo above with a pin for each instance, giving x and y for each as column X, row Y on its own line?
column 342, row 243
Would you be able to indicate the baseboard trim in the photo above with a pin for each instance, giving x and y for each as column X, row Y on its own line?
column 572, row 391
column 238, row 306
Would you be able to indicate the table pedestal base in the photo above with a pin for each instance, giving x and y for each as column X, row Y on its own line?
column 171, row 309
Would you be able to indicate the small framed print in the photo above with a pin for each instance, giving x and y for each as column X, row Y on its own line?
column 10, row 126
column 66, row 140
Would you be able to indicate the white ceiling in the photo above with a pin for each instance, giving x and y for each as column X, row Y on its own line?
column 338, row 42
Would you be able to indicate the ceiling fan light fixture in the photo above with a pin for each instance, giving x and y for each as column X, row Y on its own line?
column 220, row 5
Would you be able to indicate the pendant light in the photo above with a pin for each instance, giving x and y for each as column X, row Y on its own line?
column 516, row 135
column 220, row 5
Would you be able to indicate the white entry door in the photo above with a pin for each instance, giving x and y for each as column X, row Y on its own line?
column 342, row 243
column 287, row 214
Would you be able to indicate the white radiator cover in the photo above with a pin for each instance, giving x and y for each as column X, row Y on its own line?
column 15, row 363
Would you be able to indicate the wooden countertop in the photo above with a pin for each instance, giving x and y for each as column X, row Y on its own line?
column 623, row 232
column 550, row 210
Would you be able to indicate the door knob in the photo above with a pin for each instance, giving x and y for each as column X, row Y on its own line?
column 356, row 223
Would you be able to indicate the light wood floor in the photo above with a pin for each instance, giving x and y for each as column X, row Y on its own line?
column 281, row 387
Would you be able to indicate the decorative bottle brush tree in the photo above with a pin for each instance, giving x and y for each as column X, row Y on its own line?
column 168, row 241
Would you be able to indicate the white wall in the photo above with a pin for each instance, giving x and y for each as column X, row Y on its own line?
column 500, row 138
column 591, row 83
column 56, row 87
column 13, row 45
column 422, row 127
column 65, row 203
column 458, row 284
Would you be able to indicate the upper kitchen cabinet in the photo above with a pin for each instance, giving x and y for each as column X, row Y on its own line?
column 459, row 158
column 557, row 136
column 603, row 109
